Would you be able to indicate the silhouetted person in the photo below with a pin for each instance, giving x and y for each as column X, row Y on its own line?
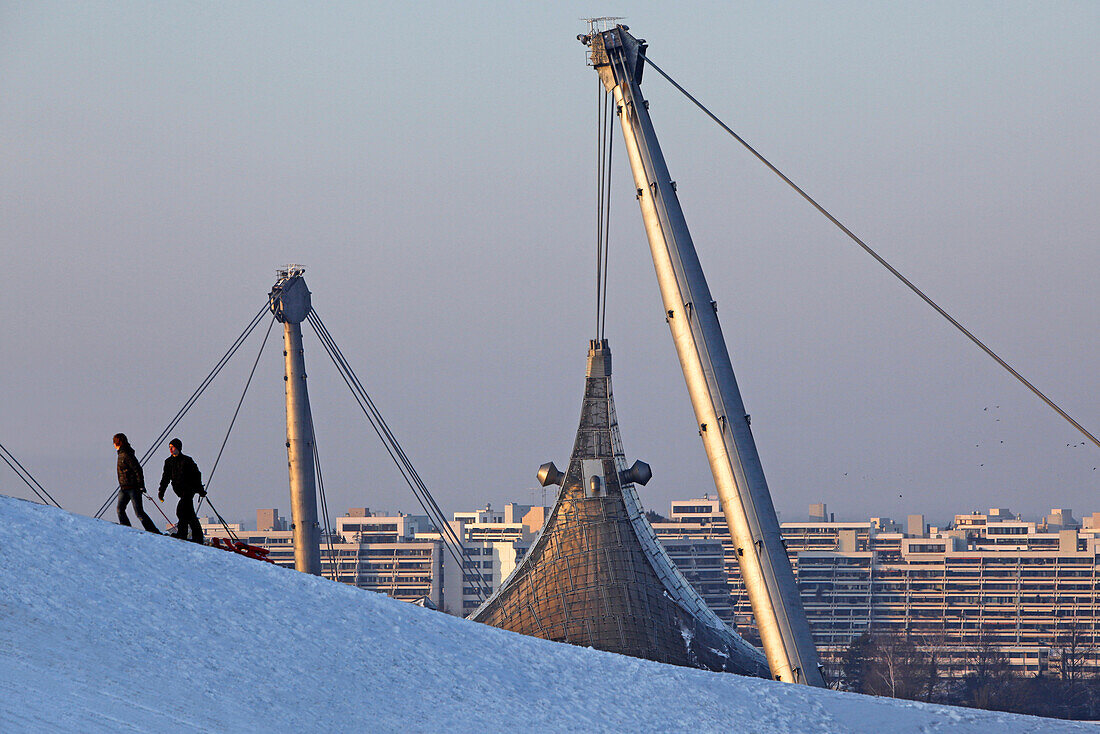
column 131, row 483
column 183, row 473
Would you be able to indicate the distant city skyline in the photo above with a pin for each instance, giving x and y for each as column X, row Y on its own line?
column 1078, row 513
column 433, row 169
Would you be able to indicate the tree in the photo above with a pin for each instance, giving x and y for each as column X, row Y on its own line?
column 899, row 669
column 889, row 665
column 855, row 663
column 933, row 648
column 1073, row 651
column 987, row 686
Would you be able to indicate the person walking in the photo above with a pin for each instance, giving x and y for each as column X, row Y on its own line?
column 182, row 471
column 131, row 483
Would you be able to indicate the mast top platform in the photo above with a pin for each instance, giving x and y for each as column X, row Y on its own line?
column 292, row 270
column 628, row 51
column 289, row 298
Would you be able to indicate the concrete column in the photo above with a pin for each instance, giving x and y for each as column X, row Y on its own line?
column 290, row 301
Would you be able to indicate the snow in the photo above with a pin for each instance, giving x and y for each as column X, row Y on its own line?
column 108, row 628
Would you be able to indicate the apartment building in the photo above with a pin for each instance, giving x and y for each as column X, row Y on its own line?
column 1028, row 591
column 495, row 543
column 376, row 552
column 513, row 522
column 702, row 561
column 404, row 556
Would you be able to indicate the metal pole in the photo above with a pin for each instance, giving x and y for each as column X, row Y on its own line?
column 720, row 413
column 290, row 302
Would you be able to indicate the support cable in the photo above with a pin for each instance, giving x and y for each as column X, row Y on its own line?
column 210, row 476
column 222, row 521
column 390, row 442
column 27, row 477
column 601, row 131
column 604, row 146
column 191, row 400
column 608, row 148
column 419, row 489
column 882, row 261
column 416, row 484
column 333, row 561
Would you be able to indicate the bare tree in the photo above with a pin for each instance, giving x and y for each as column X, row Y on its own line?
column 1074, row 650
column 987, row 686
column 935, row 651
column 899, row 669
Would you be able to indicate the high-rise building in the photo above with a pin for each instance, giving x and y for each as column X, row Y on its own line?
column 403, row 556
column 382, row 553
column 990, row 581
column 495, row 542
column 269, row 520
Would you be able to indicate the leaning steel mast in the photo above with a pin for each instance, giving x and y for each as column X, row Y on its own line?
column 692, row 316
column 290, row 302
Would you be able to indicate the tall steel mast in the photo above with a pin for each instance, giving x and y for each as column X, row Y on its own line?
column 692, row 316
column 290, row 302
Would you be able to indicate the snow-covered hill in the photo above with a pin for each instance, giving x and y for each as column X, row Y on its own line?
column 106, row 628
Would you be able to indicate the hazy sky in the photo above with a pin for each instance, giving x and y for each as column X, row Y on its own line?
column 433, row 167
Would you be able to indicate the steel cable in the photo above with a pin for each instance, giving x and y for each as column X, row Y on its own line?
column 382, row 429
column 392, row 440
column 191, row 400
column 419, row 489
column 233, row 420
column 882, row 261
column 229, row 430
column 327, row 527
column 600, row 160
column 27, row 477
column 393, row 448
column 609, row 147
column 604, row 140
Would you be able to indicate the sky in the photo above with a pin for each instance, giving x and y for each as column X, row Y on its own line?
column 433, row 166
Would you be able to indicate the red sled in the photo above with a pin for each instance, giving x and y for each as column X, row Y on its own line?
column 241, row 548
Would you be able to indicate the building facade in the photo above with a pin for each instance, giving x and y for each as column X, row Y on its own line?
column 496, row 541
column 403, row 556
column 1027, row 591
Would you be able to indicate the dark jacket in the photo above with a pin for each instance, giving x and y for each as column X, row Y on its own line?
column 184, row 474
column 130, row 475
